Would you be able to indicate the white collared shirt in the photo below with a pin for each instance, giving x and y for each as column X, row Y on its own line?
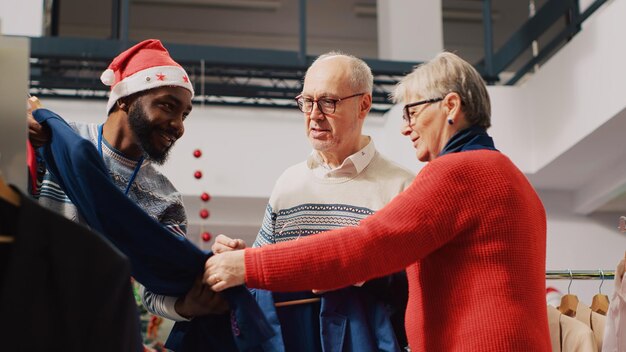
column 349, row 168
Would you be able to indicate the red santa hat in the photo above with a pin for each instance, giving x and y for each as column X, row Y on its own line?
column 146, row 65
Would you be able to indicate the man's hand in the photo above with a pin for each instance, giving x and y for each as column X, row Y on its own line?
column 200, row 300
column 226, row 244
column 225, row 270
column 37, row 134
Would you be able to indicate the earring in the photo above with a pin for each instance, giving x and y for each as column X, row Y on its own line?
column 450, row 121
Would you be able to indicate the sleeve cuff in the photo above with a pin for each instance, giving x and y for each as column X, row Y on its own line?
column 169, row 310
column 251, row 276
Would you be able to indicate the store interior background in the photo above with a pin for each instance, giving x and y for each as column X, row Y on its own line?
column 563, row 125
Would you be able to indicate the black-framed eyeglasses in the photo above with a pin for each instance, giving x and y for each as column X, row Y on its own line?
column 325, row 105
column 406, row 114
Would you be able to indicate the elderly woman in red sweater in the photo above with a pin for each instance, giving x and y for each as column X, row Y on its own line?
column 470, row 230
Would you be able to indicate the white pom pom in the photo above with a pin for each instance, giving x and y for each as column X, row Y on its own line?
column 108, row 77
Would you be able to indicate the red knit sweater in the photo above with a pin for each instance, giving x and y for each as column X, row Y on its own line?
column 471, row 232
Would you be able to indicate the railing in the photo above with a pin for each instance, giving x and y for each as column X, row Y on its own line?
column 548, row 15
column 71, row 67
column 580, row 274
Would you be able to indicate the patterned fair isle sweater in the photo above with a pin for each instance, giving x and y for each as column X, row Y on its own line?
column 151, row 191
column 471, row 232
column 303, row 203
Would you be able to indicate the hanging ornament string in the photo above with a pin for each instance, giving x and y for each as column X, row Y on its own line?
column 135, row 172
column 204, row 197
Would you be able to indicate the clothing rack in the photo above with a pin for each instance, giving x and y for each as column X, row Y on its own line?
column 580, row 274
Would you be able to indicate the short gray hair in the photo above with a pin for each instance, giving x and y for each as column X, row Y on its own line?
column 361, row 78
column 444, row 74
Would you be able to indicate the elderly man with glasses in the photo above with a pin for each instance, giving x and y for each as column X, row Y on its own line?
column 343, row 181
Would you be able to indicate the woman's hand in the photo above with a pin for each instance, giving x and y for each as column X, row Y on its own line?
column 226, row 244
column 225, row 270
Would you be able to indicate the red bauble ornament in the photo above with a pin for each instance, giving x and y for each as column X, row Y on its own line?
column 197, row 174
column 205, row 197
column 206, row 236
column 197, row 153
column 204, row 213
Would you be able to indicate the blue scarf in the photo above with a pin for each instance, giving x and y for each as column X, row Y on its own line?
column 472, row 138
column 168, row 265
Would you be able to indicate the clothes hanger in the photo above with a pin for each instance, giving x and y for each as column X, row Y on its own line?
column 600, row 302
column 569, row 302
column 296, row 302
column 6, row 239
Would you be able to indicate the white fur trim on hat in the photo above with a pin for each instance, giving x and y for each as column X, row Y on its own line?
column 108, row 77
column 153, row 77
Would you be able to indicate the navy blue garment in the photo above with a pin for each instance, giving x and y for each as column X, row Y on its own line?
column 349, row 320
column 170, row 263
column 299, row 324
column 245, row 325
column 471, row 138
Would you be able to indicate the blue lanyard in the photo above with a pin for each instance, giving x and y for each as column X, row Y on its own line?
column 139, row 163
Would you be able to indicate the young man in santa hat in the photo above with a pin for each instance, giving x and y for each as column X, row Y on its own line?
column 150, row 99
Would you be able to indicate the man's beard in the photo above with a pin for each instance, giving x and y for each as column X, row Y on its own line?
column 141, row 127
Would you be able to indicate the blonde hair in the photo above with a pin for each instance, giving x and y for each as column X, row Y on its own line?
column 444, row 74
column 361, row 78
